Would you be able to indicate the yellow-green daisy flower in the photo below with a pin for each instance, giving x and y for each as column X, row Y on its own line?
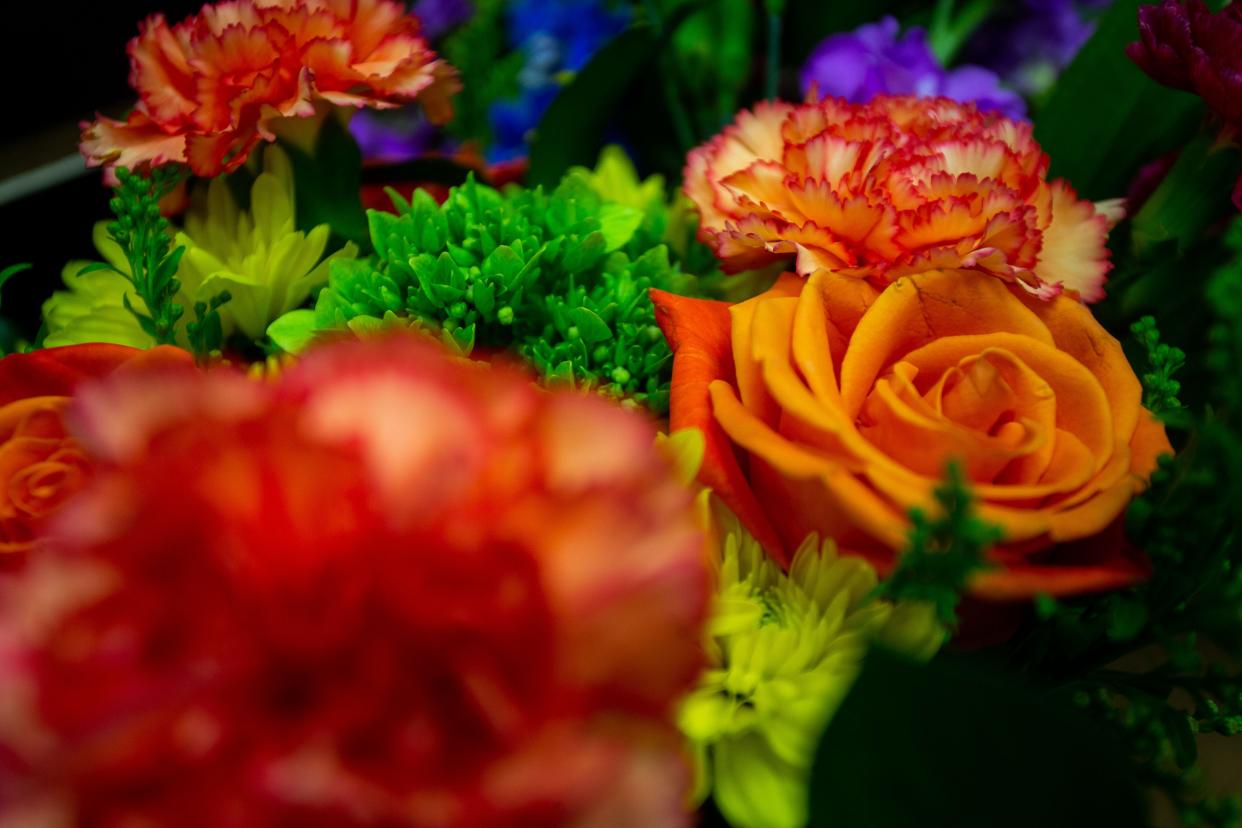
column 258, row 255
column 783, row 651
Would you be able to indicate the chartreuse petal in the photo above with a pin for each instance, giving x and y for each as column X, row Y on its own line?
column 784, row 650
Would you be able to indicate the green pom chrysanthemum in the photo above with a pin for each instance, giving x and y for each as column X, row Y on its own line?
column 559, row 278
column 783, row 650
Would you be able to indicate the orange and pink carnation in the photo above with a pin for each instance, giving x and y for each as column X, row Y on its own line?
column 894, row 187
column 386, row 588
column 213, row 86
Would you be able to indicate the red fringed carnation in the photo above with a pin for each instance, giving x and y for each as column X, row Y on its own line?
column 389, row 589
column 211, row 87
column 895, row 187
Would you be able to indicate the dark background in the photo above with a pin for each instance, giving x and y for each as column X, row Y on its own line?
column 62, row 62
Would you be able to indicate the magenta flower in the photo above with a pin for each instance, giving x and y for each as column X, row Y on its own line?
column 1186, row 46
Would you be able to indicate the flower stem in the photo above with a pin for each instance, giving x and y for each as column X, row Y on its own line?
column 773, row 85
column 949, row 31
column 676, row 108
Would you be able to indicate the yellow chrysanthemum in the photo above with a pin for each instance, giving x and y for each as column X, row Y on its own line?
column 616, row 180
column 258, row 255
column 784, row 650
column 93, row 308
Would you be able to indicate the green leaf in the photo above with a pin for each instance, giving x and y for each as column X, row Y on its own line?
column 807, row 22
column 328, row 184
column 293, row 331
column 590, row 327
column 95, row 267
column 572, row 130
column 444, row 171
column 1193, row 195
column 951, row 744
column 618, row 223
column 12, row 270
column 1126, row 619
column 585, row 254
column 1180, row 729
column 1106, row 118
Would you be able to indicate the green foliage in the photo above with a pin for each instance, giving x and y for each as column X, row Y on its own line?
column 145, row 237
column 206, row 332
column 943, row 552
column 1192, row 196
column 526, row 270
column 9, row 341
column 11, row 271
column 1187, row 522
column 711, row 57
column 573, row 127
column 1162, row 737
column 1163, row 361
column 955, row 744
column 328, row 183
column 487, row 69
column 1105, row 117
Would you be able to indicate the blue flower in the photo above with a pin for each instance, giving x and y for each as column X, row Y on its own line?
column 557, row 37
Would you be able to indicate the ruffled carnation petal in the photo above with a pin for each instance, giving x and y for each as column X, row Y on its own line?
column 895, row 187
column 212, row 86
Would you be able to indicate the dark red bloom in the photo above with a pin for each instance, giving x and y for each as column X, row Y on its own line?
column 1187, row 46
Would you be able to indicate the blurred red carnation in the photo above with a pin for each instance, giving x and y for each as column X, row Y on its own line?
column 213, row 86
column 387, row 589
column 41, row 465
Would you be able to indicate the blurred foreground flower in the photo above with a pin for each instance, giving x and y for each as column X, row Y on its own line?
column 783, row 651
column 41, row 466
column 213, row 86
column 872, row 60
column 895, row 187
column 388, row 588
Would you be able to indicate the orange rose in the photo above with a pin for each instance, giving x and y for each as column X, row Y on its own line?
column 835, row 407
column 40, row 464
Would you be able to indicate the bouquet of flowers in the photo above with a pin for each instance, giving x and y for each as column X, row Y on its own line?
column 759, row 413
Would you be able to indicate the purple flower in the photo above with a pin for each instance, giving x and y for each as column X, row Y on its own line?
column 872, row 61
column 394, row 136
column 1030, row 43
column 439, row 17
